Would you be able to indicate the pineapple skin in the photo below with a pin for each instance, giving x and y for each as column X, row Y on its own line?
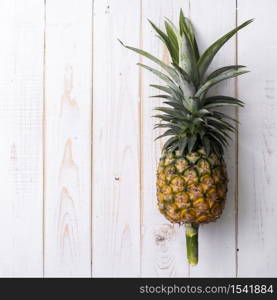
column 191, row 188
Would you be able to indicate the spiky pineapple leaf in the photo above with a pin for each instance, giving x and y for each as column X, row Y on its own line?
column 166, row 67
column 221, row 125
column 207, row 57
column 220, row 101
column 173, row 41
column 172, row 112
column 207, row 144
column 184, row 58
column 183, row 74
column 191, row 142
column 226, row 75
column 169, row 142
column 159, row 74
column 223, row 70
column 213, row 99
column 189, row 117
column 162, row 88
column 162, row 96
column 168, row 132
column 172, row 51
column 174, row 105
column 187, row 29
column 221, row 115
column 192, row 49
column 182, row 145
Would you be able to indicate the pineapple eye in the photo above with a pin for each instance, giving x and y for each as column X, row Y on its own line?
column 195, row 193
column 217, row 175
column 214, row 160
column 177, row 184
column 170, row 172
column 169, row 159
column 181, row 165
column 203, row 167
column 182, row 200
column 193, row 157
column 191, row 177
column 167, row 193
column 173, row 212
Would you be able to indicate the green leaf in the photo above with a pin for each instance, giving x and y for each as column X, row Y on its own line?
column 217, row 147
column 220, row 121
column 169, row 99
column 191, row 142
column 223, row 104
column 174, row 126
column 207, row 144
column 167, row 133
column 220, row 124
column 167, row 68
column 186, row 31
column 214, row 99
column 207, row 57
column 161, row 96
column 223, row 70
column 174, row 105
column 173, row 41
column 203, row 112
column 219, row 139
column 169, row 142
column 218, row 101
column 165, row 118
column 182, row 145
column 162, row 88
column 224, row 116
column 184, row 57
column 166, row 41
column 227, row 75
column 171, row 112
column 182, row 73
column 218, row 132
column 158, row 73
column 174, row 90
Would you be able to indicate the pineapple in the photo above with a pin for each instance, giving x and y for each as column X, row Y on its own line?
column 191, row 176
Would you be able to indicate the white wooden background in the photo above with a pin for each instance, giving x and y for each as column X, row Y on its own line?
column 77, row 156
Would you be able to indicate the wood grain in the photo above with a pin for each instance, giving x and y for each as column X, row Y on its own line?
column 217, row 248
column 258, row 139
column 68, row 84
column 21, row 105
column 116, row 196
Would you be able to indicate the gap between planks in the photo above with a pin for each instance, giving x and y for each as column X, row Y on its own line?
column 237, row 152
column 141, row 134
column 91, row 144
column 43, row 140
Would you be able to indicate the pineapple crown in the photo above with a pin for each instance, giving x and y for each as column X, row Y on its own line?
column 190, row 117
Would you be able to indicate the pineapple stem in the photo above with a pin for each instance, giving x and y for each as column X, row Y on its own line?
column 192, row 243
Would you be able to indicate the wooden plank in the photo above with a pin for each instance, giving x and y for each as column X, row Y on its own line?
column 163, row 245
column 116, row 210
column 21, row 105
column 258, row 140
column 68, row 84
column 217, row 256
